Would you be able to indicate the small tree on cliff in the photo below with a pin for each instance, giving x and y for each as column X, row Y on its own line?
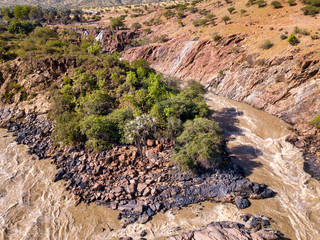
column 225, row 19
column 116, row 23
column 138, row 130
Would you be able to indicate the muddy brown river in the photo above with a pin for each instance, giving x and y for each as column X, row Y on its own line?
column 33, row 207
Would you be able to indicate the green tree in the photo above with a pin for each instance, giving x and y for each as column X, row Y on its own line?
column 98, row 131
column 242, row 12
column 95, row 49
column 96, row 103
column 231, row 10
column 225, row 19
column 198, row 145
column 116, row 23
column 25, row 12
column 17, row 11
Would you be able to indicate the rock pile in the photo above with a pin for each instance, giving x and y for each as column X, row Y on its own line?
column 307, row 137
column 137, row 186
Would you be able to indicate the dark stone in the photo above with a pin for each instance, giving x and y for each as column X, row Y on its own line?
column 144, row 218
column 254, row 224
column 265, row 223
column 242, row 203
column 59, row 175
column 143, row 233
column 150, row 212
column 246, row 218
column 267, row 193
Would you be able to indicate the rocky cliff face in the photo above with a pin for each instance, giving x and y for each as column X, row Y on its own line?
column 286, row 86
column 25, row 85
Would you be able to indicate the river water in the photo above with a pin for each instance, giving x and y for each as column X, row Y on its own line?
column 33, row 207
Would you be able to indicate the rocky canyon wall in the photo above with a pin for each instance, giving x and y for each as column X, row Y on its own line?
column 287, row 87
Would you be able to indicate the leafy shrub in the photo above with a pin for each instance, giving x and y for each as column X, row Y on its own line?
column 203, row 11
column 316, row 121
column 199, row 22
column 243, row 11
column 225, row 19
column 180, row 15
column 95, row 49
column 198, row 145
column 231, row 10
column 276, row 4
column 261, row 3
column 116, row 23
column 267, row 45
column 43, row 34
column 147, row 30
column 98, row 131
column 314, row 37
column 193, row 9
column 293, row 40
column 292, row 2
column 25, row 27
column 136, row 26
column 310, row 10
column 216, row 36
column 303, row 31
column 168, row 14
column 283, row 37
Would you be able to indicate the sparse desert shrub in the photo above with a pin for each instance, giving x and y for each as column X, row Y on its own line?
column 276, row 4
column 314, row 37
column 293, row 40
column 180, row 15
column 231, row 10
column 225, row 19
column 147, row 30
column 199, row 22
column 310, row 10
column 261, row 3
column 136, row 26
column 203, row 11
column 216, row 36
column 292, row 2
column 168, row 14
column 243, row 11
column 193, row 9
column 302, row 31
column 283, row 37
column 267, row 45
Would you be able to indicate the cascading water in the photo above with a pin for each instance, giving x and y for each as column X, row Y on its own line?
column 33, row 207
column 187, row 47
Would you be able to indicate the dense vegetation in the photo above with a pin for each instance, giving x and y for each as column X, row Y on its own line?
column 48, row 15
column 109, row 101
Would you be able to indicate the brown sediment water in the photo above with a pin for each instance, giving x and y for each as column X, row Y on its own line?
column 33, row 207
column 257, row 140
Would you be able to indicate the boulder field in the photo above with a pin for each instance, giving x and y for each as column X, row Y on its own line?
column 137, row 186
